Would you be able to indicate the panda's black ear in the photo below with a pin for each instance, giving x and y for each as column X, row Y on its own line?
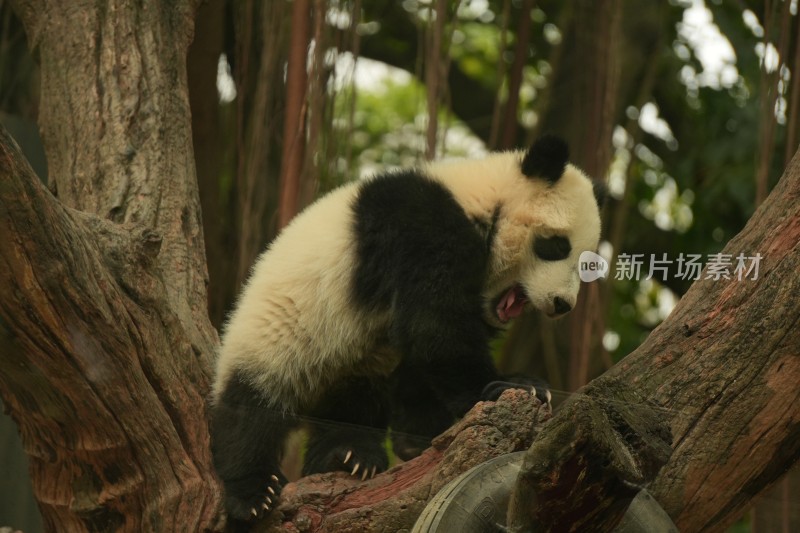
column 546, row 158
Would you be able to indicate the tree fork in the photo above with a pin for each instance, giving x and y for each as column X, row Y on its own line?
column 106, row 340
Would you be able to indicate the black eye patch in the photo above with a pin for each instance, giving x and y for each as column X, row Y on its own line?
column 552, row 248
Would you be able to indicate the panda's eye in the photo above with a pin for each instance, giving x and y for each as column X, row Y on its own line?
column 552, row 248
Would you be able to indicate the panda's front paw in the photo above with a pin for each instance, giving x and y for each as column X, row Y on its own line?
column 248, row 500
column 360, row 462
column 538, row 387
column 366, row 466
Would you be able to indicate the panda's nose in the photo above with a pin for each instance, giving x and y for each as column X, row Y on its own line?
column 561, row 306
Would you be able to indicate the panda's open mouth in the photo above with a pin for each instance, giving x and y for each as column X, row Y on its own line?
column 511, row 303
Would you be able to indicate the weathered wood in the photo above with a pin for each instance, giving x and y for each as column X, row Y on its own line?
column 585, row 467
column 725, row 368
column 104, row 382
column 722, row 373
column 116, row 125
column 107, row 347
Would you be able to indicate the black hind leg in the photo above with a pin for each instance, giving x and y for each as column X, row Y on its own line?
column 418, row 413
column 247, row 441
column 349, row 428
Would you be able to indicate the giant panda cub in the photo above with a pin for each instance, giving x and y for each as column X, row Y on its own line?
column 374, row 308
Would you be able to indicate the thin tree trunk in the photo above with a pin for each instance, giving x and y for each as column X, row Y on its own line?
column 210, row 144
column 500, row 76
column 768, row 92
column 434, row 75
column 261, row 49
column 294, row 126
column 592, row 152
column 510, row 125
column 794, row 98
column 317, row 82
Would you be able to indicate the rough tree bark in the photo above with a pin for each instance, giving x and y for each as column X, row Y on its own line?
column 103, row 316
column 726, row 366
column 582, row 473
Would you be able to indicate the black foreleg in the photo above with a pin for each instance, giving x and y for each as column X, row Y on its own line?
column 450, row 348
column 247, row 440
column 418, row 413
column 349, row 429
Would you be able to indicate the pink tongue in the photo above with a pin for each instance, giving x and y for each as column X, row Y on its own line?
column 511, row 304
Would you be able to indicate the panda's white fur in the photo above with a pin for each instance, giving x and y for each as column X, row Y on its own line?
column 298, row 301
column 298, row 330
column 295, row 325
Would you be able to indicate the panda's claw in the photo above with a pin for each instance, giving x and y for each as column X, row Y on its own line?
column 348, row 456
column 364, row 474
column 549, row 396
column 355, row 469
column 274, row 478
column 372, row 473
column 253, row 501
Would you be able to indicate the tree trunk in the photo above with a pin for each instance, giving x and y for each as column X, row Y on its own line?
column 103, row 312
column 261, row 48
column 725, row 367
column 211, row 140
column 294, row 142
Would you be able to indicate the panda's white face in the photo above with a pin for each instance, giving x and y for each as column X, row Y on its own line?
column 534, row 261
column 540, row 268
column 541, row 213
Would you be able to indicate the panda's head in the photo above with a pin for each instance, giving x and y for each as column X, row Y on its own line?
column 548, row 214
